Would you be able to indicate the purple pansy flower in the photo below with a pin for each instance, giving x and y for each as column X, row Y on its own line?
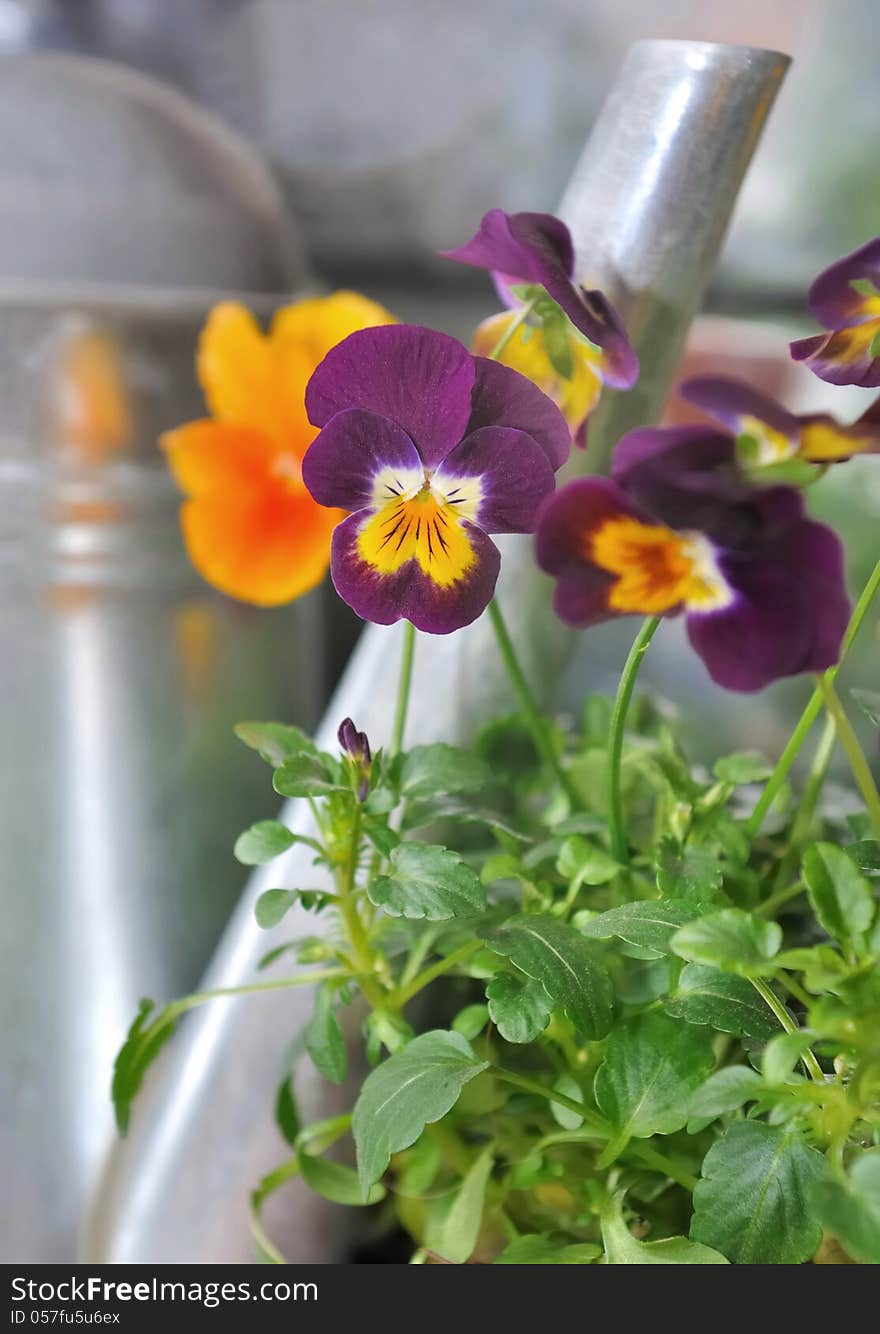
column 846, row 299
column 433, row 449
column 678, row 528
column 774, row 433
column 537, row 249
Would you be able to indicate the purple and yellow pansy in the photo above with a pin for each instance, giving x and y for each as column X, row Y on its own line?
column 845, row 298
column 679, row 529
column 768, row 434
column 528, row 255
column 431, row 449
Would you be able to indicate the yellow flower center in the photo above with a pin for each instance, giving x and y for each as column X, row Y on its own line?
column 657, row 569
column 771, row 446
column 423, row 524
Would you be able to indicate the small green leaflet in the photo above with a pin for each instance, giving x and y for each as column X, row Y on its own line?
column 746, row 766
column 651, row 1068
column 272, row 905
column 622, row 1248
column 141, row 1047
column 275, row 742
column 840, row 894
column 413, row 1088
column 262, row 842
column 752, row 1203
column 442, row 770
column 725, row 1002
column 306, row 775
column 429, row 882
column 851, row 1211
column 584, row 863
column 557, row 343
column 519, row 1007
column 324, row 1040
column 690, row 874
column 460, row 1228
column 335, row 1181
column 732, row 940
column 649, row 924
column 539, row 1249
column 570, row 968
column 724, row 1091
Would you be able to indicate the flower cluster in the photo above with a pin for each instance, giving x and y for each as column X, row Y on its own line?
column 846, row 299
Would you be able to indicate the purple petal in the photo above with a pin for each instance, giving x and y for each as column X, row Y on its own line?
column 522, row 247
column 834, row 301
column 408, row 593
column 729, row 401
column 565, row 525
column 788, row 616
column 503, row 397
column 513, row 475
column 600, row 322
column 418, row 378
column 841, row 357
column 343, row 461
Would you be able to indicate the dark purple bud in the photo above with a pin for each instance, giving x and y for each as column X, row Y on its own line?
column 356, row 747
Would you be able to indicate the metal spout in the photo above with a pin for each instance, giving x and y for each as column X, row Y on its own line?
column 648, row 206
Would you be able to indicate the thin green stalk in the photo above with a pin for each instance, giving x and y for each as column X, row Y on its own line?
column 427, row 975
column 616, row 830
column 803, row 821
column 362, row 954
column 530, row 710
column 591, row 1119
column 190, row 1002
column 811, row 1065
column 403, row 684
column 521, row 316
column 770, row 906
column 812, row 711
column 861, row 770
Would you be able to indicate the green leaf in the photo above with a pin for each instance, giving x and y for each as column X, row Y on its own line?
column 727, row 1003
column 413, row 1088
column 851, row 1211
column 840, row 894
column 869, row 703
column 461, row 1225
column 272, row 905
column 583, row 863
column 275, row 742
column 324, row 1040
column 557, row 343
column 520, row 1007
column 419, row 1170
column 263, row 841
column 649, row 923
column 287, row 1116
column 690, row 874
column 381, row 835
column 874, row 349
column 142, row 1045
column 622, row 1248
column 336, row 1181
column 567, row 1085
column 570, row 968
column 724, row 1091
column 652, row 1065
column 866, row 855
column 753, row 1200
column 746, row 766
column 306, row 775
column 731, row 940
column 782, row 1054
column 471, row 1021
column 430, row 882
column 442, row 770
column 539, row 1249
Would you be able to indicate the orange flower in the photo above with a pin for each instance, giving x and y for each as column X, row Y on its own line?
column 250, row 526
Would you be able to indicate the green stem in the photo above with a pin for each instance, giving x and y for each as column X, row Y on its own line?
column 617, row 832
column 651, row 1157
column 811, row 1065
column 861, row 770
column 427, row 975
column 403, row 684
column 530, row 710
column 362, row 954
column 812, row 711
column 521, row 316
column 592, row 1120
column 770, row 906
column 316, row 975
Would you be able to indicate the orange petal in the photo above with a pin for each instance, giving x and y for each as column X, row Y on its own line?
column 234, row 366
column 319, row 323
column 207, row 456
column 267, row 547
